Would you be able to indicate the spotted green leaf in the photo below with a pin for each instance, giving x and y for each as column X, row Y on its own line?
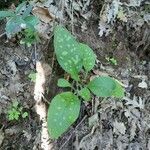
column 88, row 57
column 67, row 51
column 102, row 86
column 63, row 112
column 21, row 7
column 4, row 14
column 85, row 94
column 63, row 83
column 27, row 11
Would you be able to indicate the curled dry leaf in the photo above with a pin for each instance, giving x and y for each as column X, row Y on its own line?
column 44, row 29
column 43, row 14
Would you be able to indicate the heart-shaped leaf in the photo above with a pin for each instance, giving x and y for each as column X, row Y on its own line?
column 88, row 57
column 63, row 83
column 102, row 86
column 85, row 94
column 67, row 51
column 63, row 112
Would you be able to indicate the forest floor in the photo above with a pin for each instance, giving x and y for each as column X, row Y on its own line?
column 109, row 124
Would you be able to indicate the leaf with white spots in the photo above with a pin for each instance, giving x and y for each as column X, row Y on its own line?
column 62, row 113
column 85, row 94
column 88, row 57
column 63, row 83
column 67, row 52
column 7, row 13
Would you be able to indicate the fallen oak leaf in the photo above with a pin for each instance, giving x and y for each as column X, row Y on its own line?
column 43, row 14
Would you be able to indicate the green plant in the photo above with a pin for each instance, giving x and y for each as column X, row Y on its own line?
column 76, row 59
column 32, row 76
column 15, row 111
column 29, row 36
column 21, row 20
column 112, row 60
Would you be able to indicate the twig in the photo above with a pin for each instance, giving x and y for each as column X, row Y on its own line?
column 73, row 132
column 35, row 53
column 2, row 34
column 2, row 128
column 45, row 99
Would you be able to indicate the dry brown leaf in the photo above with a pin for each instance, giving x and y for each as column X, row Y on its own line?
column 27, row 135
column 43, row 29
column 122, row 142
column 135, row 102
column 119, row 127
column 100, row 73
column 93, row 120
column 43, row 14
